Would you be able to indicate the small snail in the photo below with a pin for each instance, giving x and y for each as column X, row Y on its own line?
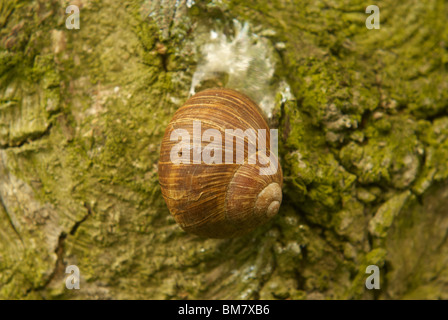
column 211, row 187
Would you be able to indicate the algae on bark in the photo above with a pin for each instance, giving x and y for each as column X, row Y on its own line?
column 364, row 149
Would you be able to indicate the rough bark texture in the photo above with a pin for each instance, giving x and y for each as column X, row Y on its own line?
column 364, row 149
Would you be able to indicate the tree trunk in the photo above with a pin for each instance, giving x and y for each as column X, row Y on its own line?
column 364, row 151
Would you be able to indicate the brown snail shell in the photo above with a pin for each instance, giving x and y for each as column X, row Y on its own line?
column 219, row 200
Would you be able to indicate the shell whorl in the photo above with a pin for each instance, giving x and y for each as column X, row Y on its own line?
column 219, row 200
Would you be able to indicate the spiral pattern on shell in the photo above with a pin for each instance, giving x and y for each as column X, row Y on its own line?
column 227, row 199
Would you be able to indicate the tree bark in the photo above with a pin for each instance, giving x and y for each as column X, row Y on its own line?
column 364, row 151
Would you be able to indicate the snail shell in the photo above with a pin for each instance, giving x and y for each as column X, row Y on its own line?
column 227, row 199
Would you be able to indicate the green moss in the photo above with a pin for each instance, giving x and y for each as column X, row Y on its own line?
column 84, row 133
column 386, row 214
column 391, row 157
column 375, row 257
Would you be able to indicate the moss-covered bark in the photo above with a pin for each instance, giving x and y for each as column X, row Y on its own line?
column 364, row 149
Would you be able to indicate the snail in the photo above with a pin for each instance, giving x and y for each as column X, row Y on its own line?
column 220, row 188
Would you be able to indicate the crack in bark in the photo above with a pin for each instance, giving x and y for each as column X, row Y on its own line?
column 31, row 138
column 3, row 205
column 78, row 223
column 60, row 264
column 59, row 267
column 263, row 281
